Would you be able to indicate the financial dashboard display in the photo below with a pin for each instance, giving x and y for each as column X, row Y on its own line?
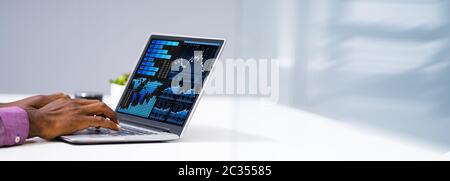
column 168, row 79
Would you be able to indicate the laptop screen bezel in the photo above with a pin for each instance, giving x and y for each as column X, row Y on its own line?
column 147, row 122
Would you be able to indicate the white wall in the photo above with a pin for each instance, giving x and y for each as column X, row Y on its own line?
column 52, row 45
column 371, row 63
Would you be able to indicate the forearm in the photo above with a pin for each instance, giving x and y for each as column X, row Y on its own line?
column 34, row 102
column 9, row 104
column 23, row 103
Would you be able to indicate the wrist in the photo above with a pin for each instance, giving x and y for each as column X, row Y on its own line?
column 5, row 105
column 33, row 118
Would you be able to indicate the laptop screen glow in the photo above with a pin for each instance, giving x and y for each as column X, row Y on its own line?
column 168, row 79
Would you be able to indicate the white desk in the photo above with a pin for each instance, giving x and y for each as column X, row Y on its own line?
column 245, row 129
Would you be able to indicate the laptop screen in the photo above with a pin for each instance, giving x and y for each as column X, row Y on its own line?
column 168, row 78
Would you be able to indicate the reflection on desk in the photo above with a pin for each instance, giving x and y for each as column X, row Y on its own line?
column 229, row 128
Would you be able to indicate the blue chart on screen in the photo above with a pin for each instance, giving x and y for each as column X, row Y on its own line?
column 155, row 50
column 167, row 98
column 140, row 102
column 177, row 117
column 155, row 91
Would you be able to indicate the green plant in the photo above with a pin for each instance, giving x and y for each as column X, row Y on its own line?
column 121, row 80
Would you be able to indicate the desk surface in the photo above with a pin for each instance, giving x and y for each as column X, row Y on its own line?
column 225, row 128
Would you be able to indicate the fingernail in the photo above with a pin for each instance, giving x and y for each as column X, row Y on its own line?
column 118, row 126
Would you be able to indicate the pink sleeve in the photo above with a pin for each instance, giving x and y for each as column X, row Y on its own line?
column 14, row 126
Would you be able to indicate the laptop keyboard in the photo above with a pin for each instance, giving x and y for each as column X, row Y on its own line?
column 124, row 131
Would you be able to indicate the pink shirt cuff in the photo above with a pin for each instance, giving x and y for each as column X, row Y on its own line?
column 14, row 126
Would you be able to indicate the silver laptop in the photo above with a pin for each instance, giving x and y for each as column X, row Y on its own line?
column 162, row 92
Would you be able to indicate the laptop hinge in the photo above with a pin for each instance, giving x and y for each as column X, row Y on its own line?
column 153, row 127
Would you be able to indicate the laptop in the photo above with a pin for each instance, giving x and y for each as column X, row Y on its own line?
column 162, row 92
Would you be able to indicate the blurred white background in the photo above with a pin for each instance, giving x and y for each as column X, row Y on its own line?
column 71, row 45
column 378, row 63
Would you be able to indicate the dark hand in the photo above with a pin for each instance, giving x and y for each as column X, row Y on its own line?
column 66, row 116
column 35, row 102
